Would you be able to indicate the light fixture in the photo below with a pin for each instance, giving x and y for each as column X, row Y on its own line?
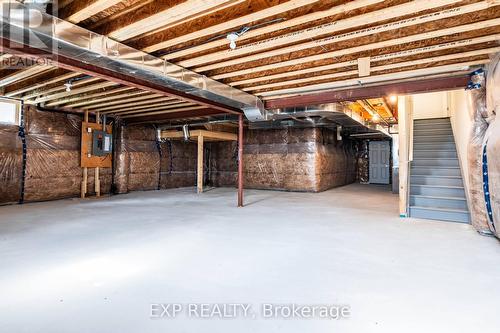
column 393, row 98
column 68, row 86
column 232, row 37
column 376, row 118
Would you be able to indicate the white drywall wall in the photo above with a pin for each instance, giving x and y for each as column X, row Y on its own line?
column 430, row 105
column 461, row 121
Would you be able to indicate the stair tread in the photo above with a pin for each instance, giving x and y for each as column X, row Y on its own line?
column 436, row 158
column 432, row 128
column 440, row 186
column 437, row 150
column 451, row 210
column 432, row 124
column 420, row 131
column 445, row 134
column 438, row 198
column 433, row 176
column 426, row 143
column 434, row 167
column 433, row 119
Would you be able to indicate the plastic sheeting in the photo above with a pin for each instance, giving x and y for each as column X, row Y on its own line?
column 484, row 152
column 476, row 194
column 53, row 169
column 308, row 159
column 52, row 159
column 363, row 162
column 223, row 163
column 11, row 164
column 178, row 164
column 137, row 159
column 492, row 145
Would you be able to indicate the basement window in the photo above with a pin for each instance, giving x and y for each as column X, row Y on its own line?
column 9, row 111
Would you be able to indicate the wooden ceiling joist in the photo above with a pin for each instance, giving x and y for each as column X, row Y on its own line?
column 81, row 10
column 59, row 87
column 41, row 84
column 455, row 56
column 232, row 24
column 181, row 116
column 379, row 78
column 405, row 53
column 23, row 74
column 355, row 49
column 368, row 47
column 153, row 107
column 277, row 44
column 187, row 10
column 112, row 19
column 190, row 108
column 137, row 104
column 73, row 92
column 83, row 99
column 141, row 99
column 295, row 47
column 86, row 99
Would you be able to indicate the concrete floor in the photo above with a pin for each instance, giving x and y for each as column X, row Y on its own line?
column 98, row 265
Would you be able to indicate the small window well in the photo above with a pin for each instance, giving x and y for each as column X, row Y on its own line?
column 9, row 111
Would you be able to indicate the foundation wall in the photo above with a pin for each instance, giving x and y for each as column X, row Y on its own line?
column 11, row 164
column 52, row 159
column 137, row 159
column 178, row 164
column 309, row 160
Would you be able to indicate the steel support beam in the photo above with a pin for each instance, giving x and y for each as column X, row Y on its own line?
column 240, row 161
column 376, row 91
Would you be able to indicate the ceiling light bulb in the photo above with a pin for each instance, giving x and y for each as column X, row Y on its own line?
column 68, row 86
column 393, row 98
column 376, row 118
column 232, row 37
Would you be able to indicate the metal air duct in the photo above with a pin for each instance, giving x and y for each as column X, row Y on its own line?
column 29, row 26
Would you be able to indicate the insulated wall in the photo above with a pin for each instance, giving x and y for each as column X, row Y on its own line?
column 292, row 159
column 142, row 163
column 178, row 164
column 137, row 159
column 491, row 148
column 11, row 164
column 52, row 159
column 223, row 163
column 288, row 159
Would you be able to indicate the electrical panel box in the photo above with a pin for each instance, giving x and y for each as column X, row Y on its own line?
column 101, row 143
column 97, row 146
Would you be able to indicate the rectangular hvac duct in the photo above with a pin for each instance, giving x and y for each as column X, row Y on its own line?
column 29, row 26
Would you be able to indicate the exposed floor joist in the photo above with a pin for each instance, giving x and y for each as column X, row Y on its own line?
column 80, row 10
column 292, row 47
column 310, row 35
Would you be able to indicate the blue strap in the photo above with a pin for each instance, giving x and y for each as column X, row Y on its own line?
column 486, row 187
